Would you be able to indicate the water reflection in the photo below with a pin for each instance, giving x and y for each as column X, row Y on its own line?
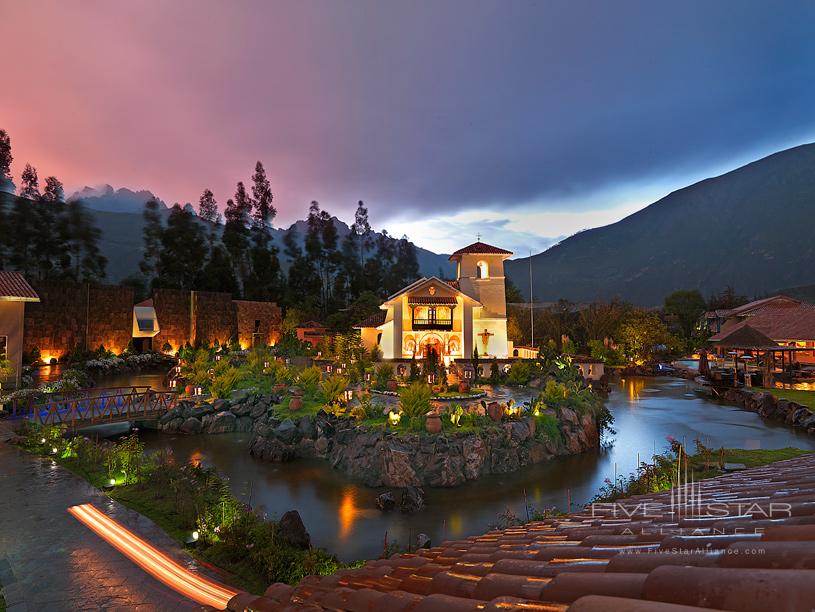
column 341, row 514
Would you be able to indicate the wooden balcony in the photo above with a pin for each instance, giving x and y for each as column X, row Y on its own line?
column 433, row 323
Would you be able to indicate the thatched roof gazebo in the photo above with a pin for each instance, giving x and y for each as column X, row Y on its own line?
column 742, row 338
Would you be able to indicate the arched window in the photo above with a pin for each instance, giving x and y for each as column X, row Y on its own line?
column 482, row 270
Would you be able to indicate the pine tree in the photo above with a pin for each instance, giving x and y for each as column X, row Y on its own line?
column 83, row 260
column 20, row 238
column 183, row 248
column 208, row 207
column 264, row 212
column 362, row 228
column 53, row 191
column 236, row 234
column 6, row 158
column 151, row 236
column 30, row 188
column 218, row 273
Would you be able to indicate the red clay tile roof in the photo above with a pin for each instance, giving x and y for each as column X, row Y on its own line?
column 742, row 336
column 659, row 557
column 787, row 320
column 479, row 248
column 311, row 325
column 431, row 299
column 454, row 284
column 14, row 287
column 375, row 320
column 148, row 303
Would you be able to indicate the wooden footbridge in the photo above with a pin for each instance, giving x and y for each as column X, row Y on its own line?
column 77, row 409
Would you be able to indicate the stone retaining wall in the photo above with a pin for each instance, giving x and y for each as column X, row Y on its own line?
column 379, row 457
column 768, row 406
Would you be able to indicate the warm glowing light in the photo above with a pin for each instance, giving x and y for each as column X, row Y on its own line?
column 153, row 561
column 54, row 450
column 42, row 441
column 195, row 536
column 348, row 512
column 112, row 481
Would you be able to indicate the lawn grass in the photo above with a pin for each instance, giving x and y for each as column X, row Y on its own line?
column 805, row 398
column 757, row 457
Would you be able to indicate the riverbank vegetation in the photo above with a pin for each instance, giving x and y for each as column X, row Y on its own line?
column 188, row 500
column 677, row 466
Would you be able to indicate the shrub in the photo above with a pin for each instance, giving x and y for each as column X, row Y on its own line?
column 495, row 373
column 224, row 380
column 384, row 373
column 549, row 426
column 555, row 393
column 309, row 380
column 415, row 400
column 333, row 388
column 196, row 369
column 520, row 373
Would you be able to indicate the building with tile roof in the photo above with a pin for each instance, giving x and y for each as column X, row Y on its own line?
column 741, row 541
column 448, row 319
column 15, row 292
column 783, row 320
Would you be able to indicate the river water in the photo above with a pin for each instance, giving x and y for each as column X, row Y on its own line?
column 342, row 517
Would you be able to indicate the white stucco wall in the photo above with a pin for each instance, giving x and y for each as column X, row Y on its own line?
column 11, row 325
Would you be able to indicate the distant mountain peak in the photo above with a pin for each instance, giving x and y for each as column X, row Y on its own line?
column 107, row 199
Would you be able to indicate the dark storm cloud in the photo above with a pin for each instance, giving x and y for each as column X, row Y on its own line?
column 416, row 107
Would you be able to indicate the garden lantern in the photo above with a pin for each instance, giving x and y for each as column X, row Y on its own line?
column 468, row 374
column 199, row 390
column 348, row 394
column 265, row 364
column 178, row 369
column 431, row 378
column 329, row 368
column 173, row 384
column 367, row 376
column 217, row 357
column 319, row 354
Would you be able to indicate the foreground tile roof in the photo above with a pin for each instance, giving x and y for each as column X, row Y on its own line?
column 759, row 557
column 14, row 287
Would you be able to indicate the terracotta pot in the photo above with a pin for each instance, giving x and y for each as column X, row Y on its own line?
column 279, row 388
column 495, row 411
column 433, row 423
column 531, row 423
column 189, row 390
column 295, row 403
column 463, row 387
column 392, row 385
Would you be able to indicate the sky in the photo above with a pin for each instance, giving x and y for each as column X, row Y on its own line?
column 520, row 121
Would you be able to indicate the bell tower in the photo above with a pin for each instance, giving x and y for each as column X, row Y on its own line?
column 481, row 276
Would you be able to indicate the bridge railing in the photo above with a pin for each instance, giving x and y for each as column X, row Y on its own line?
column 94, row 406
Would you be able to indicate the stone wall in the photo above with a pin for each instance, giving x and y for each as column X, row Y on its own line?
column 110, row 316
column 72, row 315
column 213, row 317
column 768, row 406
column 173, row 313
column 266, row 314
column 379, row 457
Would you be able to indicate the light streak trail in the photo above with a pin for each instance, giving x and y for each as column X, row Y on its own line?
column 153, row 561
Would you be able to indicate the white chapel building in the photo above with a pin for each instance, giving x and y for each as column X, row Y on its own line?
column 448, row 318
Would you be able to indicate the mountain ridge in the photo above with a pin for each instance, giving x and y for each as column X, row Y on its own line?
column 747, row 228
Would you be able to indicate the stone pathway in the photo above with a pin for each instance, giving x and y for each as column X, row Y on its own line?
column 50, row 561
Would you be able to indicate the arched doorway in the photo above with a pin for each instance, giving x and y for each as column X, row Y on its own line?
column 432, row 348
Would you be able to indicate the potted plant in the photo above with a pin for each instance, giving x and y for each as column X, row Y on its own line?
column 392, row 384
column 463, row 386
column 296, row 401
column 495, row 411
column 432, row 423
